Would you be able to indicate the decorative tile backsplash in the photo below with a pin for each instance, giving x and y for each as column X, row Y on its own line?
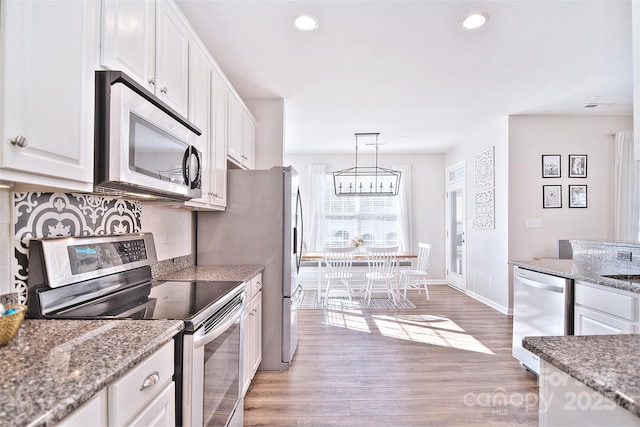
column 39, row 215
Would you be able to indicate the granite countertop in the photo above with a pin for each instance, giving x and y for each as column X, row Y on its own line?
column 582, row 271
column 240, row 273
column 52, row 367
column 608, row 364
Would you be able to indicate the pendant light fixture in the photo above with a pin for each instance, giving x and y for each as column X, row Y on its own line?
column 366, row 180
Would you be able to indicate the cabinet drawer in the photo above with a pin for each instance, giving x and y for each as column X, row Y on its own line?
column 254, row 286
column 128, row 396
column 610, row 302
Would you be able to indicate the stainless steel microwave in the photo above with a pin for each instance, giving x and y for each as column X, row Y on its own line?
column 142, row 146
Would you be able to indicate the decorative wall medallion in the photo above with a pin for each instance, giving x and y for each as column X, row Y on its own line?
column 38, row 215
column 484, row 169
column 484, row 203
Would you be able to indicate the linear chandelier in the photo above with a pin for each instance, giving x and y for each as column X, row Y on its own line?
column 366, row 180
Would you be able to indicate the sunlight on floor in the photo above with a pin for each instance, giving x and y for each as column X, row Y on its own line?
column 427, row 329
column 347, row 320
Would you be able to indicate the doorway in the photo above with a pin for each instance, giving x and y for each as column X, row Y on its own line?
column 456, row 227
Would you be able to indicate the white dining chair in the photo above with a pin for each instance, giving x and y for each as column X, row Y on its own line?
column 383, row 267
column 415, row 278
column 338, row 263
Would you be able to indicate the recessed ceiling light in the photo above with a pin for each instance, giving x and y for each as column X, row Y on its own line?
column 475, row 20
column 306, row 23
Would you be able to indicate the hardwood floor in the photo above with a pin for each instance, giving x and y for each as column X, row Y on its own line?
column 446, row 363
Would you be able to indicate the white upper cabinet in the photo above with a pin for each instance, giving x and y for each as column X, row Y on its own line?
column 128, row 39
column 49, row 53
column 200, row 69
column 220, row 131
column 249, row 140
column 241, row 146
column 149, row 41
column 172, row 56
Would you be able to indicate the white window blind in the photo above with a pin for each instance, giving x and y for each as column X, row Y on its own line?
column 373, row 218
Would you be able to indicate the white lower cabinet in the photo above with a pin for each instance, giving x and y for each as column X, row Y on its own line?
column 133, row 395
column 252, row 353
column 92, row 413
column 603, row 311
column 565, row 401
column 144, row 396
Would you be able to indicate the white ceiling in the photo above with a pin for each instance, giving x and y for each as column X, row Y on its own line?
column 408, row 70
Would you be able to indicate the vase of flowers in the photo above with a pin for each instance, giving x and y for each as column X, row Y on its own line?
column 357, row 242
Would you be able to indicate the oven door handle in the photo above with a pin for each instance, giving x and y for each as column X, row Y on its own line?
column 229, row 320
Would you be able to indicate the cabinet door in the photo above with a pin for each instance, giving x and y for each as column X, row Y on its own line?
column 49, row 54
column 252, row 340
column 159, row 412
column 257, row 333
column 590, row 322
column 92, row 413
column 249, row 136
column 172, row 56
column 200, row 114
column 220, row 130
column 236, row 126
column 128, row 39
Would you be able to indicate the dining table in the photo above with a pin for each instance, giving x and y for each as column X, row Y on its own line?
column 360, row 256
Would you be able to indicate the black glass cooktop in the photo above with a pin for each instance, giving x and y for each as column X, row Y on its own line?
column 191, row 301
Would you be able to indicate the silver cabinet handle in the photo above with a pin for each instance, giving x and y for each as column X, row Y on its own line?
column 151, row 380
column 259, row 286
column 19, row 141
column 152, row 81
column 164, row 90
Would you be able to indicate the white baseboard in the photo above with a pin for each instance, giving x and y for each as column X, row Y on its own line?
column 502, row 309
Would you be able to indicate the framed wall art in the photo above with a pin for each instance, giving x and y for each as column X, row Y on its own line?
column 577, row 196
column 551, row 166
column 551, row 196
column 577, row 165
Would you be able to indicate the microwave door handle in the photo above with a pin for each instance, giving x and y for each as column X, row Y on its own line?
column 191, row 178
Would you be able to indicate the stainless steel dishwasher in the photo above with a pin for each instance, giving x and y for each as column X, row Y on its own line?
column 542, row 306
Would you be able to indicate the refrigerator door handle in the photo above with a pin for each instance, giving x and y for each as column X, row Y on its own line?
column 297, row 297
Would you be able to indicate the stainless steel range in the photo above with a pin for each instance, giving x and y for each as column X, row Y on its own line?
column 109, row 277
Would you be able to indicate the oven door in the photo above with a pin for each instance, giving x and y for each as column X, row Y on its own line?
column 212, row 370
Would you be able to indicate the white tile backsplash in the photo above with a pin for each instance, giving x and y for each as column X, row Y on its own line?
column 172, row 229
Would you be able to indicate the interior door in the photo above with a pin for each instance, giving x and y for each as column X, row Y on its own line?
column 456, row 228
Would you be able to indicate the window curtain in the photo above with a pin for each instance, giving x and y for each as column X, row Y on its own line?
column 627, row 189
column 314, row 219
column 405, row 243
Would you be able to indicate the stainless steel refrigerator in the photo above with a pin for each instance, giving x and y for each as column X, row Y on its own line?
column 262, row 225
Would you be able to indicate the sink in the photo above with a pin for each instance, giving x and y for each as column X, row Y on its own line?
column 625, row 277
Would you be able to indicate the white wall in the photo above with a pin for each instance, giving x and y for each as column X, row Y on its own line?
column 269, row 114
column 427, row 193
column 531, row 137
column 486, row 249
column 519, row 143
column 172, row 230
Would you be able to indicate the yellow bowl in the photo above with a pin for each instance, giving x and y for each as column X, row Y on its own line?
column 10, row 324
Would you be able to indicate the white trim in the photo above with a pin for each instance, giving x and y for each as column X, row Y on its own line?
column 502, row 309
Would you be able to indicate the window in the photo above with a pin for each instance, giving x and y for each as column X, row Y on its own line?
column 374, row 218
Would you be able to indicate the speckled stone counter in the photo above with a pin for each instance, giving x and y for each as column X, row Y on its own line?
column 608, row 364
column 216, row 272
column 583, row 271
column 52, row 367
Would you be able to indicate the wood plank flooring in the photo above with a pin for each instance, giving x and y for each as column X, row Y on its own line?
column 446, row 363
